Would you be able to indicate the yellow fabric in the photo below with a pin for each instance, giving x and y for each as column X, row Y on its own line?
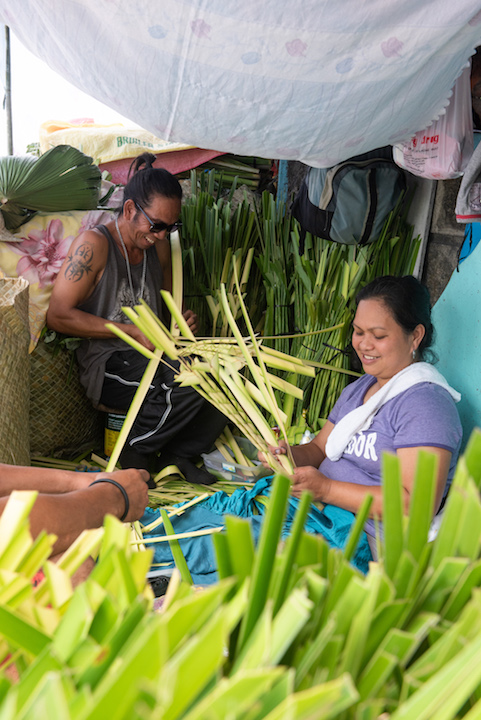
column 104, row 143
column 38, row 252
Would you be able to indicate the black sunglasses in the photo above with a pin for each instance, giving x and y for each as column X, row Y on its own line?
column 160, row 226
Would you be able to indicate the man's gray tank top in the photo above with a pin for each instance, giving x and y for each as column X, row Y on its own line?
column 110, row 294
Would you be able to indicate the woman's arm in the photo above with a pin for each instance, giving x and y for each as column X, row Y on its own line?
column 409, row 458
column 350, row 495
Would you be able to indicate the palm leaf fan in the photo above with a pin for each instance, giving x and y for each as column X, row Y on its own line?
column 61, row 179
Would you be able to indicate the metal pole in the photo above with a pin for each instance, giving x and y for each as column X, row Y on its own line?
column 8, row 92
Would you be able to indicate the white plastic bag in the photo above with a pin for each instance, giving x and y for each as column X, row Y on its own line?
column 443, row 150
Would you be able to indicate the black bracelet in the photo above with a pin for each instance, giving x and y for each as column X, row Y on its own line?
column 122, row 490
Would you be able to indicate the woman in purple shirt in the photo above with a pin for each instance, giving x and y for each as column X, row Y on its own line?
column 401, row 405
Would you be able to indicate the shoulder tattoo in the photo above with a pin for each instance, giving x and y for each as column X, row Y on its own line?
column 79, row 262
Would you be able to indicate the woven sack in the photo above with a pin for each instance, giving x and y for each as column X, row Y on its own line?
column 14, row 371
column 62, row 420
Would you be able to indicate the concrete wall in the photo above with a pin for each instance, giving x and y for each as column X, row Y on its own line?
column 445, row 239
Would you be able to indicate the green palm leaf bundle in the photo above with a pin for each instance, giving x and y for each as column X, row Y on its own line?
column 289, row 631
column 61, row 179
column 216, row 235
column 314, row 289
column 288, row 290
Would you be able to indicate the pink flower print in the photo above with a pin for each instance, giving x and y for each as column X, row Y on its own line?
column 97, row 217
column 354, row 141
column 392, row 47
column 476, row 19
column 296, row 48
column 237, row 139
column 43, row 253
column 200, row 28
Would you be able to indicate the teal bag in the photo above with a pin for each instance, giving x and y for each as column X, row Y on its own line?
column 349, row 203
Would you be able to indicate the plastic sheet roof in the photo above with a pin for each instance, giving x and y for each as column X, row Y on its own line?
column 311, row 80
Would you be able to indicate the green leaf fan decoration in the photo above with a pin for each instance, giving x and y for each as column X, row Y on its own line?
column 61, row 179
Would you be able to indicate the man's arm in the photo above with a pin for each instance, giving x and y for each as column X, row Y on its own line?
column 67, row 514
column 45, row 480
column 81, row 271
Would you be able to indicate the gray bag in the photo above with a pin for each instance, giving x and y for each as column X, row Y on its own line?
column 350, row 202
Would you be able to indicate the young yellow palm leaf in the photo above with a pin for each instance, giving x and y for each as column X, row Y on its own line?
column 131, row 341
column 181, row 326
column 134, row 408
column 177, row 276
column 257, row 371
column 214, row 367
column 276, row 413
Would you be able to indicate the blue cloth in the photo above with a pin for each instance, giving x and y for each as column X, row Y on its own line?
column 333, row 523
column 472, row 236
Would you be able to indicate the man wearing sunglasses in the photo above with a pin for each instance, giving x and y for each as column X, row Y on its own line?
column 113, row 266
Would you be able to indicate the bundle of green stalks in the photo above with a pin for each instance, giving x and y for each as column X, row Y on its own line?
column 215, row 236
column 302, row 300
column 311, row 295
column 231, row 171
column 289, row 631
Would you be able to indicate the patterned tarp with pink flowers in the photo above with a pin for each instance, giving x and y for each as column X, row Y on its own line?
column 298, row 80
column 40, row 247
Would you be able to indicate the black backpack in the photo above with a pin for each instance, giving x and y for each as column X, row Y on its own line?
column 349, row 203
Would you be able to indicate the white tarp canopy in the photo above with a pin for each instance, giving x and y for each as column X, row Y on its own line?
column 310, row 80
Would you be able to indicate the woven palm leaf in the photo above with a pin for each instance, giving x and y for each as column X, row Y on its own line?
column 14, row 371
column 62, row 420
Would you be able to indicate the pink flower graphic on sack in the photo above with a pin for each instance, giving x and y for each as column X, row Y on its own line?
column 392, row 47
column 296, row 48
column 200, row 28
column 43, row 253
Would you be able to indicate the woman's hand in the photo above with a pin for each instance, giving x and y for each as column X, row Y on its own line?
column 308, row 478
column 281, row 449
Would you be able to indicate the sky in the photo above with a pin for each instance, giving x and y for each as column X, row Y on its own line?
column 40, row 94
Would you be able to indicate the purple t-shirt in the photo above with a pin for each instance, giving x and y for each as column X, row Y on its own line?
column 423, row 415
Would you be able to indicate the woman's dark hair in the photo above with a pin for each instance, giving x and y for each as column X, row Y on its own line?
column 409, row 303
column 146, row 181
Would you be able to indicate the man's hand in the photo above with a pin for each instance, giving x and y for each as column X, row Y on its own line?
column 136, row 334
column 134, row 483
column 191, row 319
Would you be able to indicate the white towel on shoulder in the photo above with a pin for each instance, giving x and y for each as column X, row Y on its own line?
column 361, row 418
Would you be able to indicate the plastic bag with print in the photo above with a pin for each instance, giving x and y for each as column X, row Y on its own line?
column 443, row 150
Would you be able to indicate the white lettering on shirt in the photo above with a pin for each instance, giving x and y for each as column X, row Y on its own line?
column 363, row 445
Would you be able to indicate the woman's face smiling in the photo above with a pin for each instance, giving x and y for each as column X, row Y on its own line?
column 383, row 347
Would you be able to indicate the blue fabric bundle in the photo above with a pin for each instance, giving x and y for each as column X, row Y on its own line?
column 333, row 523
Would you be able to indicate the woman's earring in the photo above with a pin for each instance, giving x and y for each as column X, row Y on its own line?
column 414, row 354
